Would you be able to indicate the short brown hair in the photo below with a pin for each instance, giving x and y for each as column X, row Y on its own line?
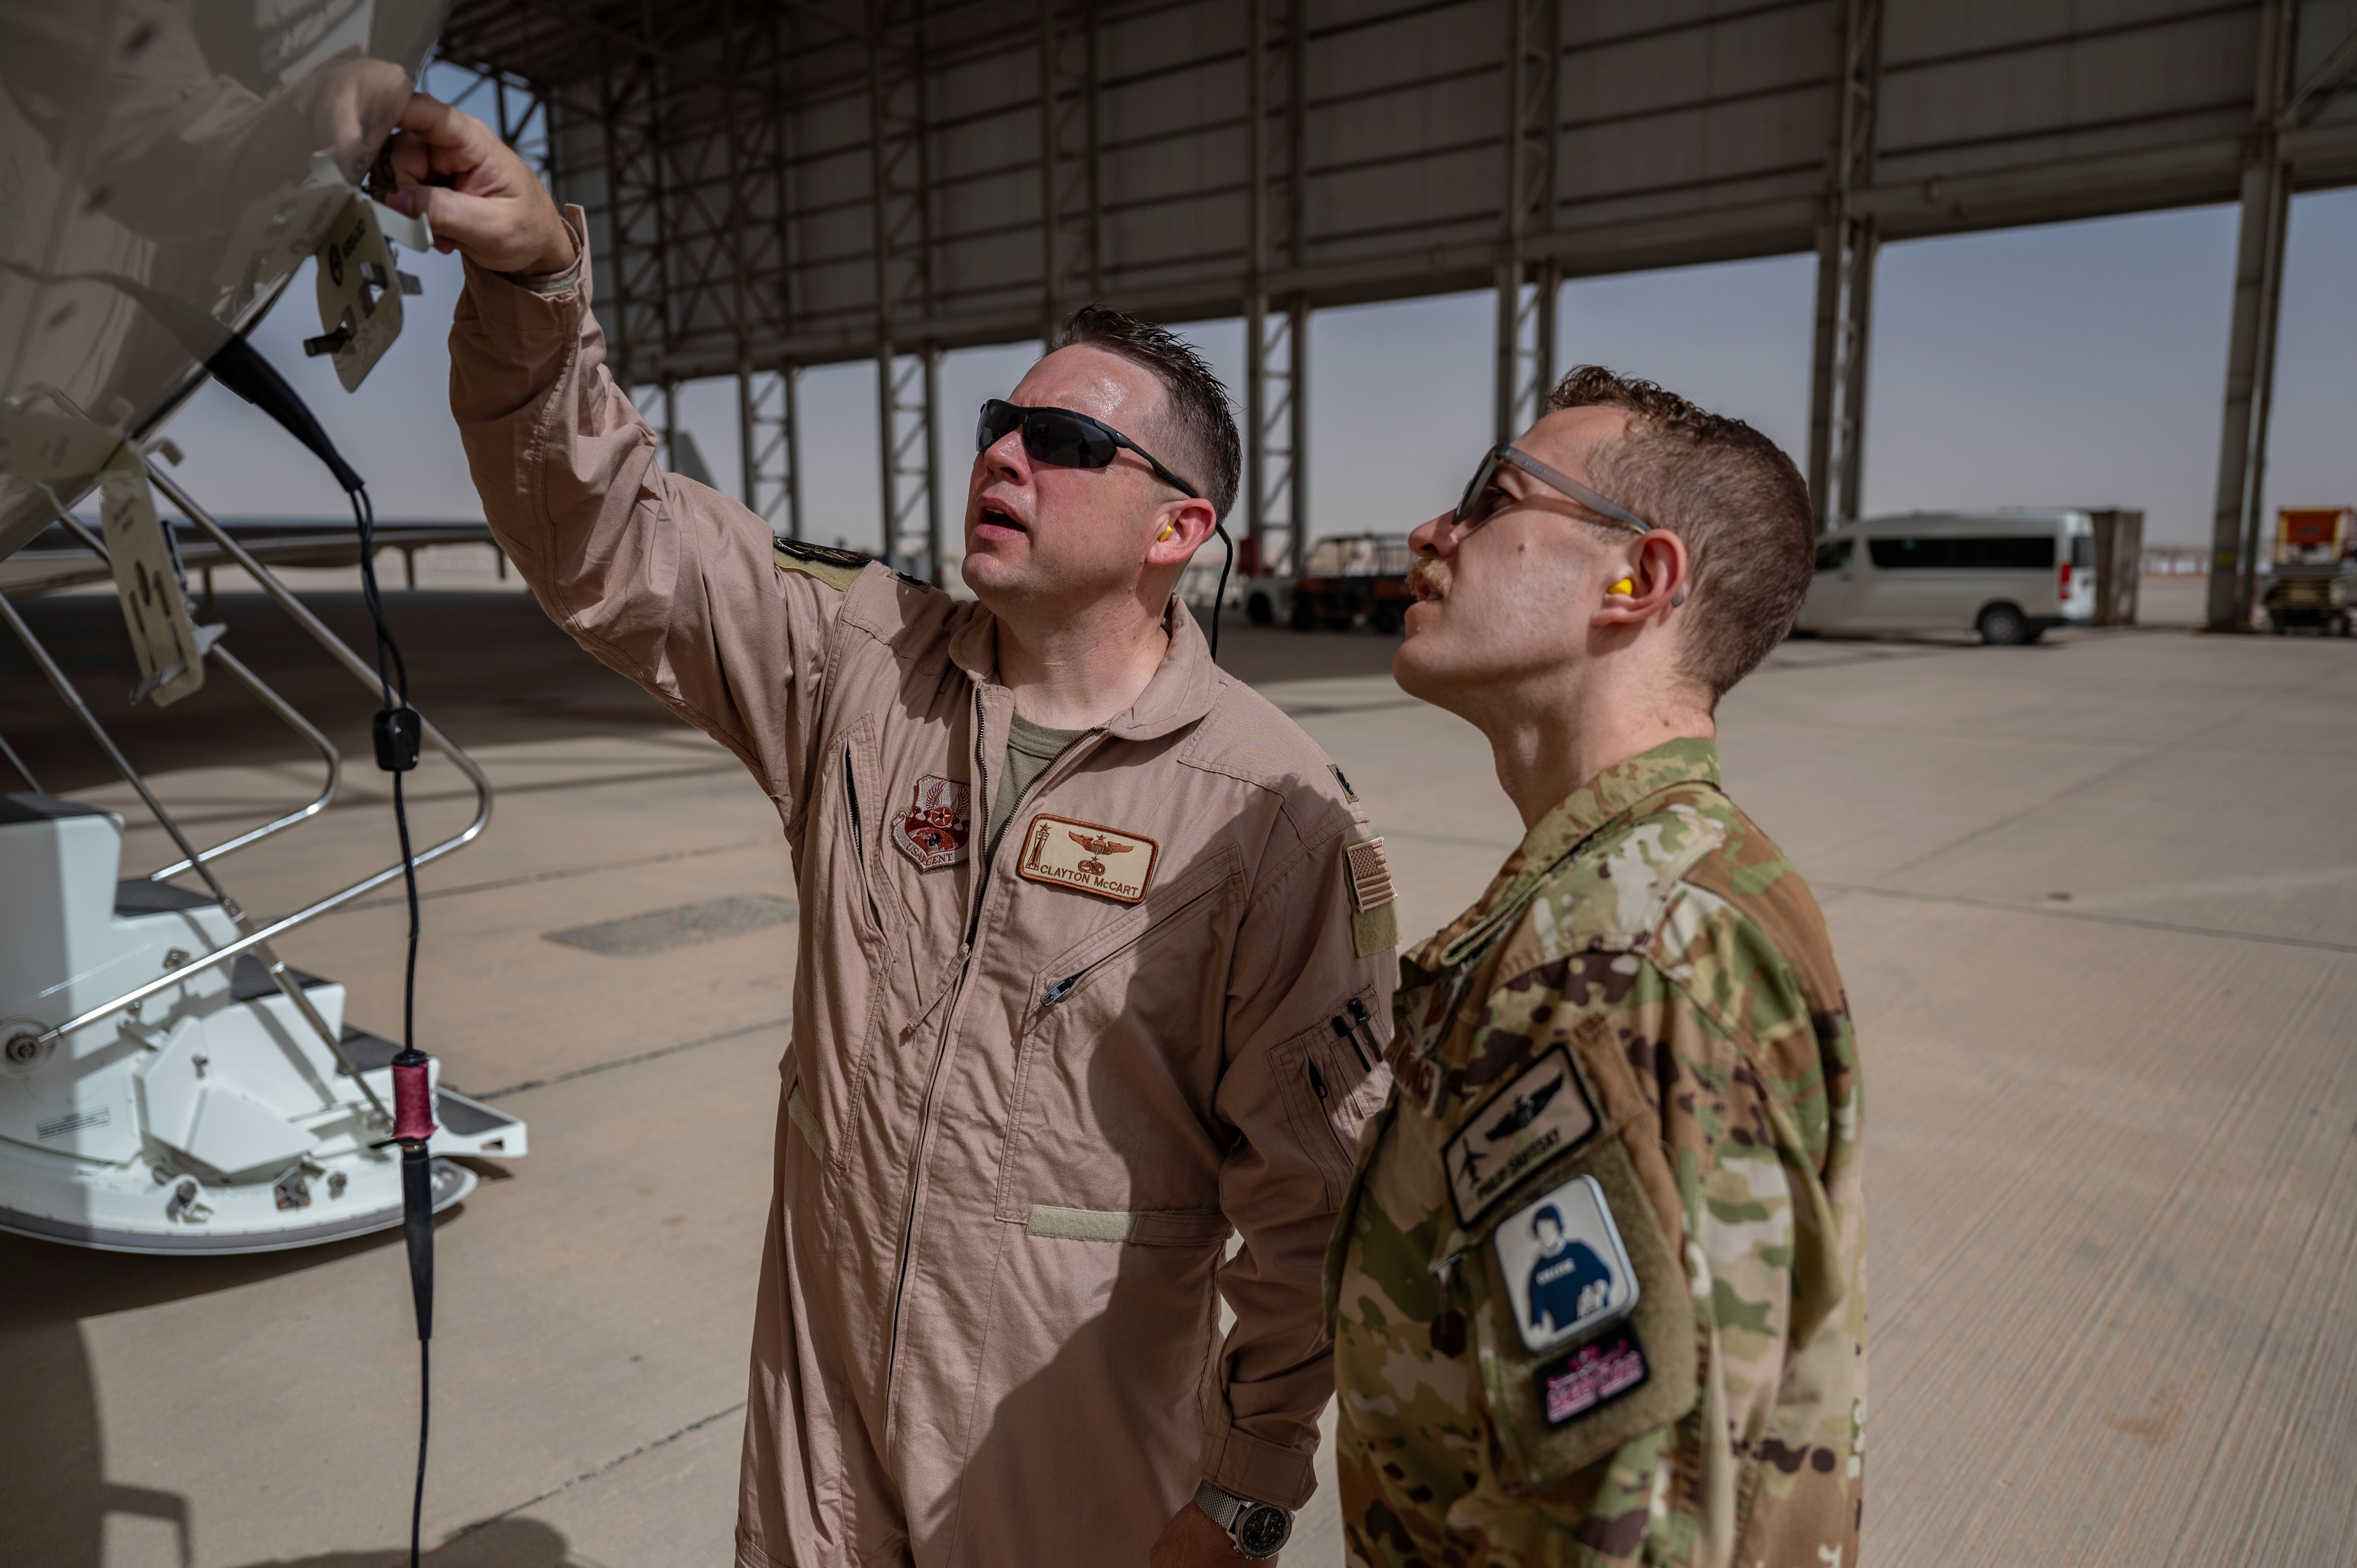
column 1731, row 494
column 1211, row 455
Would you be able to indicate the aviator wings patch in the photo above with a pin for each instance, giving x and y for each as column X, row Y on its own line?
column 1543, row 1114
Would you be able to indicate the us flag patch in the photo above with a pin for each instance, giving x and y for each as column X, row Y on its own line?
column 1371, row 875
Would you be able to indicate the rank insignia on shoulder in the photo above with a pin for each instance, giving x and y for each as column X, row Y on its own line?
column 935, row 831
column 1595, row 1374
column 1564, row 1268
column 1544, row 1113
column 831, row 565
column 1089, row 857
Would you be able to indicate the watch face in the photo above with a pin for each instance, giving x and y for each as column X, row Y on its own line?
column 1262, row 1530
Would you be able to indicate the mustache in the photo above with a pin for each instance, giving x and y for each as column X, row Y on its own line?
column 1428, row 578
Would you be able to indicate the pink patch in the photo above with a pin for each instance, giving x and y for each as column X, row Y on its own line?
column 1592, row 1375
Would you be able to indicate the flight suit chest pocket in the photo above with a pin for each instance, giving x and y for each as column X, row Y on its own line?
column 1116, row 1061
column 1583, row 1325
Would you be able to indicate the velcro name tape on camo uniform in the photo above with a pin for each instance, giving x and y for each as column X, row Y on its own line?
column 1543, row 1114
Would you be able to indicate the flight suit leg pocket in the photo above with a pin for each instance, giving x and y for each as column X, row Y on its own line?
column 1583, row 1326
column 1333, row 1081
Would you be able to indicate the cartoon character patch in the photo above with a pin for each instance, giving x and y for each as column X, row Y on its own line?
column 936, row 830
column 1564, row 1268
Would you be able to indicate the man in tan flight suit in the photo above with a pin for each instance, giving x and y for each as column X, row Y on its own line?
column 1093, row 950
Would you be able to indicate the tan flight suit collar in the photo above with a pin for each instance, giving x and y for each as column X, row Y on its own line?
column 1183, row 690
column 1610, row 794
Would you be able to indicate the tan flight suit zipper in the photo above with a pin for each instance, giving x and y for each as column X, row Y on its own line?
column 981, row 890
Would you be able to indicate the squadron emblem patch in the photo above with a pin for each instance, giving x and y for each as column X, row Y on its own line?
column 1541, row 1114
column 935, row 831
column 1564, row 1268
column 1088, row 857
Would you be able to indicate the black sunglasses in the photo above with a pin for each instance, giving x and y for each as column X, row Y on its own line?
column 1063, row 439
column 1483, row 496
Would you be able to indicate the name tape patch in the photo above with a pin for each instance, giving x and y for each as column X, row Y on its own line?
column 1595, row 1374
column 1564, row 1268
column 1543, row 1114
column 1089, row 857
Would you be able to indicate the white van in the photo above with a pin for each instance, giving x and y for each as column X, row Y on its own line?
column 2009, row 576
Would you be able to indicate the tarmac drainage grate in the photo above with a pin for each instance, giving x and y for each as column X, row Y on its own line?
column 661, row 930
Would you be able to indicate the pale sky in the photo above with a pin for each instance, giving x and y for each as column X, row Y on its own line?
column 2070, row 365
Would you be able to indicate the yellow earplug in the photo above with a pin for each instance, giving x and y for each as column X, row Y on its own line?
column 1164, row 534
column 1625, row 585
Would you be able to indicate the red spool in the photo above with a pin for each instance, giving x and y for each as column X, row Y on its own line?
column 413, row 1103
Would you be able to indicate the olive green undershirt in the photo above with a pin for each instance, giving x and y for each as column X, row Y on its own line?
column 1030, row 748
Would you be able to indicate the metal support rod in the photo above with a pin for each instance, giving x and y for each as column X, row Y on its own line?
column 17, row 763
column 258, row 940
column 270, row 699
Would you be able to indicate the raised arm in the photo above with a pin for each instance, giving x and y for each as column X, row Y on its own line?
column 665, row 581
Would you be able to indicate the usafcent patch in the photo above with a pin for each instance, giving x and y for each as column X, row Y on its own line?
column 1089, row 857
column 934, row 830
column 1543, row 1114
column 1564, row 1268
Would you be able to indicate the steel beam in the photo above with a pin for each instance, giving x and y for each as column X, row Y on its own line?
column 900, row 197
column 2251, row 348
column 1071, row 211
column 1849, row 238
column 1277, row 326
column 769, row 433
column 1526, row 201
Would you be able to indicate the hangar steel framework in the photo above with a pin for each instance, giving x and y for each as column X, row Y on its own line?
column 776, row 184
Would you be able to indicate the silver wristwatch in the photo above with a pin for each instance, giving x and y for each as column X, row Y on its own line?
column 1254, row 1530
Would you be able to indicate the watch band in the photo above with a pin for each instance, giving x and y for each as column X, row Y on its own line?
column 1222, row 1507
column 1230, row 1512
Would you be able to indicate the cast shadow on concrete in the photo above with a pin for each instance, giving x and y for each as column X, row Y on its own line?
column 502, row 1543
column 54, row 1490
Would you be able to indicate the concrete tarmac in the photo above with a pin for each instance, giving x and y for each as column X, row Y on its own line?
column 2092, row 899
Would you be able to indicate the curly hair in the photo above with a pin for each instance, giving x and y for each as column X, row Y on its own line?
column 1211, row 454
column 1733, row 497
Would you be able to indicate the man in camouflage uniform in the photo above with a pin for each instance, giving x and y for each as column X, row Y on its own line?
column 1599, row 1289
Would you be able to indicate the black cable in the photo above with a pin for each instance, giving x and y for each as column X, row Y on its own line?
column 418, row 1498
column 1220, row 599
column 397, row 732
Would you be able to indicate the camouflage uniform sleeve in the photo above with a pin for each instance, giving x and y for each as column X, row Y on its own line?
column 1732, row 1115
column 1757, row 1097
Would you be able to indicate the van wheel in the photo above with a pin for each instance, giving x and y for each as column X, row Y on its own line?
column 2002, row 626
column 1383, row 620
column 1305, row 615
column 1258, row 610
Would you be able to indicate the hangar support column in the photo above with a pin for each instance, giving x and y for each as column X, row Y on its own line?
column 905, row 381
column 1277, row 327
column 2236, row 522
column 1848, row 242
column 1068, row 210
column 1526, row 295
column 769, row 435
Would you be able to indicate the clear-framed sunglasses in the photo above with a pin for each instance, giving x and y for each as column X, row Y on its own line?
column 1483, row 497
